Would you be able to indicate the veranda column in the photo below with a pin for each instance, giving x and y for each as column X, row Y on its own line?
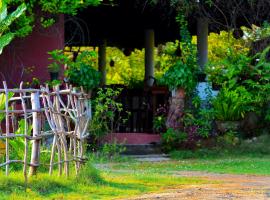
column 202, row 41
column 102, row 61
column 149, row 56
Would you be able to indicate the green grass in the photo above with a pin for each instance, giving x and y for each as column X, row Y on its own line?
column 249, row 157
column 243, row 165
column 90, row 184
column 131, row 178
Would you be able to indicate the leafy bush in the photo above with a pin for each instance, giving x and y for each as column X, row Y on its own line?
column 230, row 138
column 172, row 139
column 6, row 20
column 159, row 121
column 180, row 75
column 58, row 59
column 228, row 71
column 107, row 113
column 232, row 104
column 112, row 151
column 82, row 71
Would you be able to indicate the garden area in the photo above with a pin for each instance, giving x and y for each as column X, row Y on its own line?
column 134, row 99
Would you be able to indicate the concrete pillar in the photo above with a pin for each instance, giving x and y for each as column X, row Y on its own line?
column 202, row 41
column 102, row 61
column 149, row 56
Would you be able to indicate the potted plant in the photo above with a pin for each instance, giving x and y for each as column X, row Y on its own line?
column 230, row 107
column 58, row 59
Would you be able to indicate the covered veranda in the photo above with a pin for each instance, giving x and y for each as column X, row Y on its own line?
column 129, row 25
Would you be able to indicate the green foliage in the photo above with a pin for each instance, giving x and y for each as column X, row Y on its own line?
column 17, row 144
column 256, row 33
column 70, row 7
column 6, row 20
column 125, row 69
column 229, row 139
column 172, row 138
column 166, row 57
column 58, row 59
column 258, row 79
column 21, row 21
column 222, row 45
column 232, row 104
column 180, row 75
column 3, row 105
column 106, row 115
column 129, row 70
column 159, row 123
column 229, row 69
column 199, row 123
column 112, row 151
column 229, row 146
column 82, row 72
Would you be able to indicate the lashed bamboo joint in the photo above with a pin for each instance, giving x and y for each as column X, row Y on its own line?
column 67, row 112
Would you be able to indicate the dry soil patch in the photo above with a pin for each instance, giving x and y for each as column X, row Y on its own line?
column 223, row 186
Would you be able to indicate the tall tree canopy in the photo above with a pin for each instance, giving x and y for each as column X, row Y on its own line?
column 41, row 11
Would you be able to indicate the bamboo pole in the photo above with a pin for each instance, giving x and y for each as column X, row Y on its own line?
column 25, row 139
column 36, row 131
column 62, row 130
column 7, row 127
column 52, row 155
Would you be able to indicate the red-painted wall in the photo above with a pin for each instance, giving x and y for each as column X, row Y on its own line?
column 31, row 52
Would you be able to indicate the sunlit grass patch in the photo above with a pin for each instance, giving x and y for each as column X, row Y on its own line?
column 90, row 184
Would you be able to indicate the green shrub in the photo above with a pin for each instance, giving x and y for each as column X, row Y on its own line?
column 112, row 151
column 82, row 71
column 232, row 104
column 107, row 113
column 172, row 138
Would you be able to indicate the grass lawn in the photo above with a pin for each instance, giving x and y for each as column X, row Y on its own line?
column 122, row 180
column 256, row 166
column 90, row 185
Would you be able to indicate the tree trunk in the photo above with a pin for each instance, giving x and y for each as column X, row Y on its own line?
column 176, row 110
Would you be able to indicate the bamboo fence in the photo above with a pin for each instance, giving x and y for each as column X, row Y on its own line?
column 68, row 113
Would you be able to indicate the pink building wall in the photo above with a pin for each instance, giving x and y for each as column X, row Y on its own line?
column 30, row 52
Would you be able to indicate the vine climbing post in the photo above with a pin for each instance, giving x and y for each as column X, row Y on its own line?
column 36, row 131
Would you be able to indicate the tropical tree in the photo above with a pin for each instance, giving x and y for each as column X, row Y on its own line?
column 6, row 20
column 20, row 23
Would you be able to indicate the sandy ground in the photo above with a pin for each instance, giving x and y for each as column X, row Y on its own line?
column 224, row 186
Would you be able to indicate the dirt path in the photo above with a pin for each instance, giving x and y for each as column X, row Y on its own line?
column 225, row 186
